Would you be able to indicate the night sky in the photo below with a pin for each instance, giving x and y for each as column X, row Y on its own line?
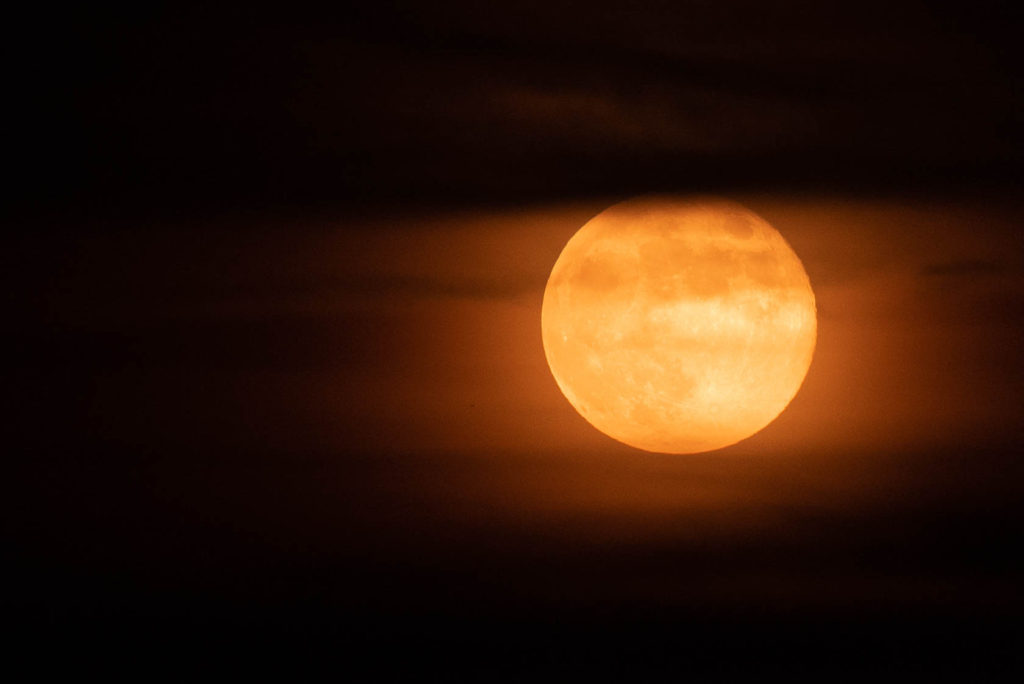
column 276, row 390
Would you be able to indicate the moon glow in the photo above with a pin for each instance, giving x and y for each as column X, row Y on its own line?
column 677, row 325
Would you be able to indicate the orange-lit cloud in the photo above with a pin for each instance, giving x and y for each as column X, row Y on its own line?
column 422, row 332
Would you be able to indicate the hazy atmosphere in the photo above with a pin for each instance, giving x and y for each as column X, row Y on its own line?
column 274, row 290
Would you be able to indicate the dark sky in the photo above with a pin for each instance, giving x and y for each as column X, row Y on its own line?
column 456, row 101
column 273, row 289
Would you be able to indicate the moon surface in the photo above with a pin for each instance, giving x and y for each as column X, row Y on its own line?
column 678, row 325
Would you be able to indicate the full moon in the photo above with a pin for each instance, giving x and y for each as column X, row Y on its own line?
column 678, row 325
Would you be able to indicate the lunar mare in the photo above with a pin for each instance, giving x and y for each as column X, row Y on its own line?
column 678, row 325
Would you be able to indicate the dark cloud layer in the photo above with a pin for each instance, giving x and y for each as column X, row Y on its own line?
column 165, row 110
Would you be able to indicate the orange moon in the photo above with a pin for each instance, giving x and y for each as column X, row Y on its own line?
column 678, row 325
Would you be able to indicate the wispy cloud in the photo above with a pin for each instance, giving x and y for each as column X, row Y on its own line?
column 963, row 268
